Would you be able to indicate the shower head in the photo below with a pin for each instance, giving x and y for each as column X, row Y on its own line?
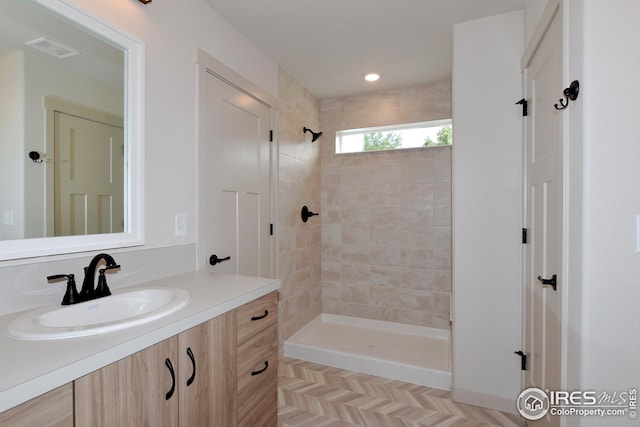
column 314, row 135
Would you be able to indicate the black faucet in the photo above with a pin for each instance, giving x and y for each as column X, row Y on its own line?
column 89, row 291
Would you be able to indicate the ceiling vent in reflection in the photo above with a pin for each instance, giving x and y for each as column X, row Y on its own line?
column 52, row 47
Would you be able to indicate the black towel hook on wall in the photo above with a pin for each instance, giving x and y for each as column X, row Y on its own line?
column 570, row 94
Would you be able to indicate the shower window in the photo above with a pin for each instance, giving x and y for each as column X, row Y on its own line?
column 395, row 137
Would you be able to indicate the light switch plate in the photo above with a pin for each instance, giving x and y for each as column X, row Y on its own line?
column 181, row 225
column 638, row 234
column 8, row 216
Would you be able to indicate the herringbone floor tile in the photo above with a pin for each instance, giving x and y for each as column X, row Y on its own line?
column 312, row 395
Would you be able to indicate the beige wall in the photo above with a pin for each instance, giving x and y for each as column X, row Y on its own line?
column 386, row 216
column 299, row 184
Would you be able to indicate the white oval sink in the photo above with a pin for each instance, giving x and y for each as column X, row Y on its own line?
column 118, row 311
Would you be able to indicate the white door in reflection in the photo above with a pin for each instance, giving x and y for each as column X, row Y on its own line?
column 89, row 176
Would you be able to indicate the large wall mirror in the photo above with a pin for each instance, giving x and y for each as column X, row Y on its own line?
column 70, row 131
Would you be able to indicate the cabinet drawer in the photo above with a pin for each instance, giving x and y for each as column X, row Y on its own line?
column 257, row 370
column 265, row 414
column 256, row 316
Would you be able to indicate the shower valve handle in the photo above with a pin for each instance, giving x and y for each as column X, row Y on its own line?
column 305, row 214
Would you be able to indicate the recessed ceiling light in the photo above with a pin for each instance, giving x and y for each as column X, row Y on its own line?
column 372, row 77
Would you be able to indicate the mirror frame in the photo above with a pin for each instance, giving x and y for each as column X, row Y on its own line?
column 134, row 151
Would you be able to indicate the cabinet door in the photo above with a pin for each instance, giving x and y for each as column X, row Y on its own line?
column 208, row 398
column 135, row 391
column 52, row 409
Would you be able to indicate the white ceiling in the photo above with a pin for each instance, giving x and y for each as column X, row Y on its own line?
column 328, row 45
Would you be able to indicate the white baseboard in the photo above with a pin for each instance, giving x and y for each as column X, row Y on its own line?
column 470, row 397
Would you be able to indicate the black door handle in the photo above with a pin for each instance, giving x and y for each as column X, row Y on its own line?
column 553, row 281
column 523, row 359
column 213, row 259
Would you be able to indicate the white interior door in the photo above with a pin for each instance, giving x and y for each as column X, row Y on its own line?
column 88, row 176
column 542, row 334
column 234, row 180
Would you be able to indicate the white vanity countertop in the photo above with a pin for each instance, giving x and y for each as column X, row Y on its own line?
column 30, row 368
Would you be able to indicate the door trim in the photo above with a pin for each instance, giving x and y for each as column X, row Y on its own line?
column 218, row 69
column 544, row 22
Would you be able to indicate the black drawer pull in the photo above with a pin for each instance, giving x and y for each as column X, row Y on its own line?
column 173, row 379
column 266, row 365
column 254, row 318
column 193, row 362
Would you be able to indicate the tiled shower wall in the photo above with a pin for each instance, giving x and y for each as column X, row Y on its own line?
column 386, row 216
column 299, row 184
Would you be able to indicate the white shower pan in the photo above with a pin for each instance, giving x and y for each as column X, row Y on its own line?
column 413, row 354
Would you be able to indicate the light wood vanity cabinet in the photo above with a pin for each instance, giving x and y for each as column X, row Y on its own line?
column 257, row 347
column 53, row 409
column 235, row 383
column 141, row 389
column 207, row 398
column 132, row 391
column 220, row 373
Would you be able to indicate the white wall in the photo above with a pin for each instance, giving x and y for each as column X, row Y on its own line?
column 611, row 279
column 573, row 291
column 487, row 181
column 171, row 31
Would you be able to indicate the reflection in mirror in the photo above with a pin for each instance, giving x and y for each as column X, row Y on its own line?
column 70, row 131
column 78, row 188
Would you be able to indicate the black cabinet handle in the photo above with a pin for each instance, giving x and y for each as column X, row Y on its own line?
column 193, row 362
column 213, row 259
column 553, row 281
column 266, row 365
column 173, row 379
column 254, row 318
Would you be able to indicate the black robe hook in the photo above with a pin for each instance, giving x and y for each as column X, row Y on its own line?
column 570, row 94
